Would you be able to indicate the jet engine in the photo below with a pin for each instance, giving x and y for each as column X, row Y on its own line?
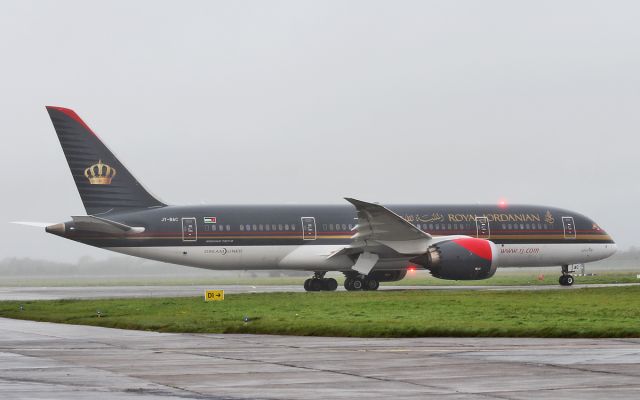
column 460, row 259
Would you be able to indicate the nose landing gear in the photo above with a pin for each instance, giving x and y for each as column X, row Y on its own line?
column 320, row 283
column 566, row 279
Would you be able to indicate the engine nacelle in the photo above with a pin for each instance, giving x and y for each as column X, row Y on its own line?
column 388, row 276
column 461, row 259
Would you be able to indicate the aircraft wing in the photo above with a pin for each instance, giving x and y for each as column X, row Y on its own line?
column 96, row 224
column 380, row 233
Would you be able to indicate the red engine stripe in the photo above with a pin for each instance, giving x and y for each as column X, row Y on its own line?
column 479, row 247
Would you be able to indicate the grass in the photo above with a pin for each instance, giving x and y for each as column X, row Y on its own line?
column 589, row 312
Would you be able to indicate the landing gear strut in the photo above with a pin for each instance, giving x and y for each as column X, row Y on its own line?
column 356, row 281
column 319, row 282
column 566, row 279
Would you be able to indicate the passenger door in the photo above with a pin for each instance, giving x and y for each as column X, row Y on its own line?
column 569, row 228
column 308, row 228
column 189, row 230
column 482, row 228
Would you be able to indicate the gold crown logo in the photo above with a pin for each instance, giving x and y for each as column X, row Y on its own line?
column 548, row 218
column 100, row 174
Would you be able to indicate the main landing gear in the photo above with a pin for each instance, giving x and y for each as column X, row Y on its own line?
column 356, row 281
column 566, row 279
column 319, row 282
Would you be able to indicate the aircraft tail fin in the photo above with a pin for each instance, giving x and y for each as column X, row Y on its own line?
column 103, row 182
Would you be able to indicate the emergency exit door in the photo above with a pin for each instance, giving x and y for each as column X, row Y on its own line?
column 189, row 230
column 482, row 228
column 308, row 228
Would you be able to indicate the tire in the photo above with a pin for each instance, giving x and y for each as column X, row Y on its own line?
column 306, row 285
column 357, row 284
column 568, row 280
column 371, row 284
column 315, row 285
column 347, row 284
column 330, row 284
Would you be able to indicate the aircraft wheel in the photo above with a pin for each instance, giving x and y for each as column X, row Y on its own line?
column 357, row 284
column 330, row 284
column 307, row 285
column 371, row 284
column 316, row 285
column 568, row 280
column 348, row 284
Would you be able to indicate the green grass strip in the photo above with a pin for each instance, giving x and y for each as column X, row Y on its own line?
column 588, row 312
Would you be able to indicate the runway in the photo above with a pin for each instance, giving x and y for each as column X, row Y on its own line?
column 54, row 361
column 98, row 292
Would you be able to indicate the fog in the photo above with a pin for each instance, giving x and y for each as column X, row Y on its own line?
column 308, row 102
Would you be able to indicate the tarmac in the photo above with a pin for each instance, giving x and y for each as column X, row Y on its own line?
column 56, row 361
column 97, row 292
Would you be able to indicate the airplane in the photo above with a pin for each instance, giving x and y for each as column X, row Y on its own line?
column 367, row 242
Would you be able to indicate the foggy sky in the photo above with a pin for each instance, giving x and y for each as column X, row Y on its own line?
column 307, row 102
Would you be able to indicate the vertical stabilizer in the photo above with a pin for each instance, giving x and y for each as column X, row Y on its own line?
column 103, row 182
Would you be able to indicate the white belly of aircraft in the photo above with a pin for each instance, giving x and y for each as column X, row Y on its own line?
column 542, row 255
column 315, row 257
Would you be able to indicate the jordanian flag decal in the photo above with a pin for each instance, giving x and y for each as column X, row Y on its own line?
column 209, row 220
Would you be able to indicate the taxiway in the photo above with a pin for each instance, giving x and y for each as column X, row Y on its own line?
column 55, row 361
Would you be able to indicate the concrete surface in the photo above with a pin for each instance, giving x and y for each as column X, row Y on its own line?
column 94, row 292
column 54, row 361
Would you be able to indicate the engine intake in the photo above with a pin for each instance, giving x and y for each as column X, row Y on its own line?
column 461, row 259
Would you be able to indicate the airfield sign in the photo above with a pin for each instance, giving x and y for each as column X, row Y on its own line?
column 213, row 295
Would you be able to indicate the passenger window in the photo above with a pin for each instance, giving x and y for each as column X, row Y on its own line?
column 430, row 227
column 330, row 227
column 350, row 226
column 279, row 227
column 344, row 227
column 324, row 227
column 286, row 227
column 527, row 226
column 267, row 227
column 255, row 228
column 293, row 227
column 261, row 227
column 213, row 228
column 449, row 226
column 242, row 227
